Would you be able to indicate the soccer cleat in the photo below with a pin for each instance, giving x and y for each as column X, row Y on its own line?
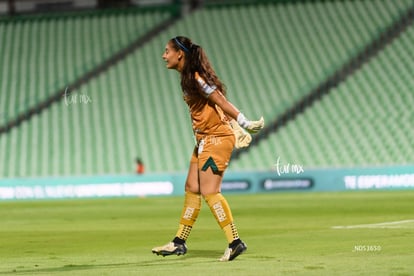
column 170, row 248
column 232, row 252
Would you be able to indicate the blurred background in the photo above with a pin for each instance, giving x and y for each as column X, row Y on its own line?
column 84, row 90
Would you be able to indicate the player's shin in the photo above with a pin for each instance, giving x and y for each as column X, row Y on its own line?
column 221, row 211
column 191, row 209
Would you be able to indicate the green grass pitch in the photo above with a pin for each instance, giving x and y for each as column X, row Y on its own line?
column 286, row 234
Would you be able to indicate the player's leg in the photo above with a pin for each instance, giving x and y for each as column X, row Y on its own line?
column 192, row 205
column 210, row 187
column 189, row 214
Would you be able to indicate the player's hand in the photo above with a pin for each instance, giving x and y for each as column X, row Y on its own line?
column 243, row 138
column 255, row 126
column 250, row 126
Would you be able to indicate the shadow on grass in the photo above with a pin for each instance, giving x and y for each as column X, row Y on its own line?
column 196, row 256
column 65, row 268
column 201, row 256
column 213, row 254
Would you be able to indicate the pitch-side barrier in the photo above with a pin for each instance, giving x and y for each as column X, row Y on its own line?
column 287, row 178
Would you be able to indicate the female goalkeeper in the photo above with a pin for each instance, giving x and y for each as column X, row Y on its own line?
column 218, row 127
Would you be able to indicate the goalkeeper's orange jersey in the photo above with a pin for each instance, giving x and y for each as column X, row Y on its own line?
column 207, row 118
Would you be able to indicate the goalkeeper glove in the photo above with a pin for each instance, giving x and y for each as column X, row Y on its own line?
column 250, row 126
column 243, row 138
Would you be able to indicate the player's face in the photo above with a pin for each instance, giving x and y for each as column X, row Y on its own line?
column 173, row 58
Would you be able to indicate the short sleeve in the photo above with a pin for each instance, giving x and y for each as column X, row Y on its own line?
column 205, row 87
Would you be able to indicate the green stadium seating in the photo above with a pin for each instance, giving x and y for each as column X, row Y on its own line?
column 268, row 55
column 365, row 121
column 42, row 55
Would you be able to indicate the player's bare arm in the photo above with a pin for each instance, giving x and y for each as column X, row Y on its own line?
column 231, row 111
column 228, row 108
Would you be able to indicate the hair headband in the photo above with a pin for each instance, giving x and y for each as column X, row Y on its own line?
column 185, row 49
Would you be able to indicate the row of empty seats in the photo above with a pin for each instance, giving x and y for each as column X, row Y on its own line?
column 365, row 121
column 41, row 55
column 269, row 56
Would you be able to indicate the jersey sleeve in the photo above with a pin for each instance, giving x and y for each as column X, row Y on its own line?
column 205, row 87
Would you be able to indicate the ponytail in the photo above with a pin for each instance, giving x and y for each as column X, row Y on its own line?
column 195, row 61
column 195, row 58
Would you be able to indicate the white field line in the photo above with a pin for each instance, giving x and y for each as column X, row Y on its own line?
column 391, row 224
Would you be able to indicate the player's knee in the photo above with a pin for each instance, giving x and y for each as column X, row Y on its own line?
column 192, row 187
column 209, row 191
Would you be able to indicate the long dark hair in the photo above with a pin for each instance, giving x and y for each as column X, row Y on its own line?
column 195, row 61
